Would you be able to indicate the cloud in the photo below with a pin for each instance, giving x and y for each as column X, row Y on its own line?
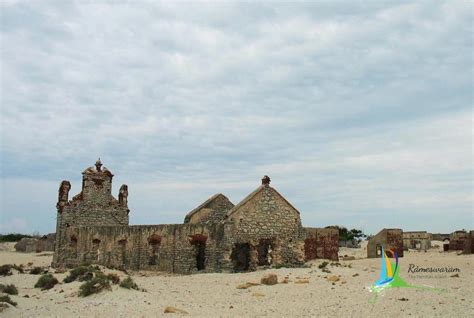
column 354, row 110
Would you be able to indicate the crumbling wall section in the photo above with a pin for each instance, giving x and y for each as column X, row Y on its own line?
column 389, row 239
column 93, row 206
column 166, row 247
column 321, row 243
column 420, row 240
column 457, row 240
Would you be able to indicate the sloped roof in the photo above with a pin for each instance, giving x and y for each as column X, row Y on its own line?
column 203, row 205
column 253, row 194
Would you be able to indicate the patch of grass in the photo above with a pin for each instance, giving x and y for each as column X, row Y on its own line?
column 129, row 284
column 323, row 264
column 114, row 278
column 36, row 270
column 98, row 283
column 7, row 299
column 9, row 289
column 46, row 281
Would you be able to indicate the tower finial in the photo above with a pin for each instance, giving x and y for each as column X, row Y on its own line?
column 98, row 165
column 266, row 180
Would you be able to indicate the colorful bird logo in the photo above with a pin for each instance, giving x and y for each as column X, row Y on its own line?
column 389, row 276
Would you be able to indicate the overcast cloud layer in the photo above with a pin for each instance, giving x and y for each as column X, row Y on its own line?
column 360, row 113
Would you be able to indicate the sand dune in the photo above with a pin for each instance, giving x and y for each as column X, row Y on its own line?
column 307, row 293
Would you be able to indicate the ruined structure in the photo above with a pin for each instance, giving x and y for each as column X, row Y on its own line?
column 263, row 229
column 457, row 240
column 419, row 240
column 389, row 239
column 469, row 244
column 44, row 243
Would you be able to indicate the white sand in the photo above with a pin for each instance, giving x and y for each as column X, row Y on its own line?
column 216, row 295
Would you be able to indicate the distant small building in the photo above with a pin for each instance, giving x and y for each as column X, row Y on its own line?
column 457, row 240
column 389, row 239
column 36, row 244
column 418, row 240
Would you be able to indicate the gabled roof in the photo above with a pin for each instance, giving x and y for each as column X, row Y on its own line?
column 203, row 205
column 253, row 194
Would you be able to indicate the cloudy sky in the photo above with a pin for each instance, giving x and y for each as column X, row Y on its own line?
column 360, row 112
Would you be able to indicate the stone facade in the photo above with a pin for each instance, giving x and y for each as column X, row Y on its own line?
column 419, row 240
column 94, row 205
column 389, row 239
column 457, row 239
column 264, row 229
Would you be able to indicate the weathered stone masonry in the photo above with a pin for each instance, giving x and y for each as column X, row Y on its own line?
column 263, row 229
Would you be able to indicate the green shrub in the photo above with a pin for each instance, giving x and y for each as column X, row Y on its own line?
column 36, row 270
column 19, row 268
column 129, row 284
column 7, row 299
column 114, row 278
column 323, row 264
column 98, row 283
column 5, row 270
column 82, row 273
column 46, row 281
column 9, row 289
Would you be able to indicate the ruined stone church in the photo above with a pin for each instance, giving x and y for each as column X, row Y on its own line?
column 264, row 229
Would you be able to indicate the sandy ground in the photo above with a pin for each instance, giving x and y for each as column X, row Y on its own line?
column 216, row 295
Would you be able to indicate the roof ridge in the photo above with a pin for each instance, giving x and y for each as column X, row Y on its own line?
column 206, row 202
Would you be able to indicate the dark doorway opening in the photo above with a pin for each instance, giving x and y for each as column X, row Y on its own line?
column 241, row 257
column 201, row 256
column 154, row 242
column 123, row 252
column 310, row 248
column 199, row 242
column 378, row 249
column 264, row 252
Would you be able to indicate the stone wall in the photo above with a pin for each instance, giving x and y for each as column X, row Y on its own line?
column 469, row 243
column 389, row 239
column 457, row 239
column 321, row 243
column 166, row 247
column 420, row 240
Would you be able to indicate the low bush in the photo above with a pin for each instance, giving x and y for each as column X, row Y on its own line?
column 114, row 278
column 5, row 270
column 7, row 299
column 36, row 270
column 46, row 281
column 323, row 264
column 9, row 289
column 98, row 283
column 129, row 284
column 82, row 273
